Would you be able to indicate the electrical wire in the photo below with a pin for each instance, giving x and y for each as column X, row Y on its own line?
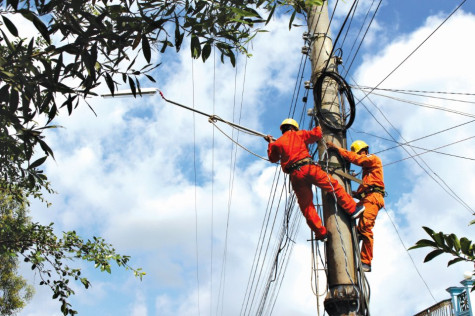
column 364, row 36
column 417, row 48
column 417, row 139
column 417, row 93
column 447, row 188
column 195, row 185
column 434, row 150
column 425, row 105
column 412, row 260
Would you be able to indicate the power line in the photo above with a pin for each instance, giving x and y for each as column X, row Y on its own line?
column 435, row 107
column 413, row 91
column 364, row 36
column 408, row 92
column 414, row 140
column 434, row 150
column 419, row 46
column 447, row 189
column 195, row 184
column 412, row 260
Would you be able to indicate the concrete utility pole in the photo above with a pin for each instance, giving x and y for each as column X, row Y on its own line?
column 343, row 295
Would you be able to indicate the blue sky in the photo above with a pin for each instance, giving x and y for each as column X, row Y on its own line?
column 129, row 174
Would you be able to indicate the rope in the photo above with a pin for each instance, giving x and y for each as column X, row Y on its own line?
column 212, row 121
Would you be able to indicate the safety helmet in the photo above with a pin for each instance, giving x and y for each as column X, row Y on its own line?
column 289, row 121
column 358, row 145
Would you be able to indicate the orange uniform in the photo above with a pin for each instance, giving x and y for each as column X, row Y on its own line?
column 372, row 200
column 290, row 149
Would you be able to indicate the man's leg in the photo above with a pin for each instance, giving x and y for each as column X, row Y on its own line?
column 303, row 191
column 327, row 183
column 365, row 227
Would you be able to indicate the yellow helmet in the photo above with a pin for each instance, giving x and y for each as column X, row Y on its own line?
column 358, row 145
column 289, row 121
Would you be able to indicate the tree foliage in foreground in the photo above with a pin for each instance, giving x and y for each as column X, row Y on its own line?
column 15, row 292
column 80, row 45
column 462, row 249
column 50, row 256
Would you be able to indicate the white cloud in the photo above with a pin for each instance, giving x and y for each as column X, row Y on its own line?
column 128, row 175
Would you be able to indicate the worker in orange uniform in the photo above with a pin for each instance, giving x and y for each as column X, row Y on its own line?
column 292, row 151
column 370, row 193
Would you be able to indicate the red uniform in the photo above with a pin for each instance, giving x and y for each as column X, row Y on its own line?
column 292, row 147
column 373, row 201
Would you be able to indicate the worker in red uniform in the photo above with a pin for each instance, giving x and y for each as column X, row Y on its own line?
column 292, row 151
column 370, row 193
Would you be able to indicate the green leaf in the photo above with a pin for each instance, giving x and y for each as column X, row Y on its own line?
column 38, row 162
column 132, row 86
column 110, row 83
column 456, row 242
column 146, row 49
column 37, row 23
column 465, row 245
column 10, row 26
column 195, row 47
column 150, row 78
column 292, row 19
column 423, row 243
column 246, row 13
column 439, row 239
column 451, row 262
column 433, row 254
column 206, row 51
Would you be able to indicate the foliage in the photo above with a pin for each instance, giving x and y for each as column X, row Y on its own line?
column 86, row 43
column 14, row 290
column 461, row 249
column 80, row 45
column 49, row 255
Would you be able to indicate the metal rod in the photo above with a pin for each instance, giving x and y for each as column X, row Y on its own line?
column 214, row 117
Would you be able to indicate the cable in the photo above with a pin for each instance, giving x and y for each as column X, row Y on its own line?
column 447, row 189
column 412, row 260
column 427, row 150
column 318, row 97
column 415, row 91
column 426, row 105
column 195, row 182
column 419, row 46
column 364, row 36
column 417, row 139
column 433, row 150
column 419, row 93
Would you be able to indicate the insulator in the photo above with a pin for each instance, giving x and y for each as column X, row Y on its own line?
column 305, row 36
column 305, row 50
column 307, row 85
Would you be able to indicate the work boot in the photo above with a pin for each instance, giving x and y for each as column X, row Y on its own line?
column 358, row 211
column 366, row 267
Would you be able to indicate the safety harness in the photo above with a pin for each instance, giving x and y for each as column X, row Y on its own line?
column 298, row 164
column 370, row 189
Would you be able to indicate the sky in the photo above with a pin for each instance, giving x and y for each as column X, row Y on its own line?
column 165, row 187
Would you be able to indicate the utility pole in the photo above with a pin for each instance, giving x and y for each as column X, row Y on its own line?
column 343, row 290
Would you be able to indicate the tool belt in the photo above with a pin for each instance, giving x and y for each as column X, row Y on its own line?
column 371, row 189
column 298, row 164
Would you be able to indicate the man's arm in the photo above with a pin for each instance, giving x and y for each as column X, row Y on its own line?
column 354, row 158
column 272, row 150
